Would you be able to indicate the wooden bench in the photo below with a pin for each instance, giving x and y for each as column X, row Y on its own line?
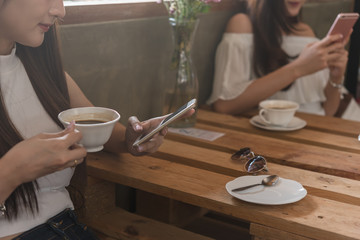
column 112, row 223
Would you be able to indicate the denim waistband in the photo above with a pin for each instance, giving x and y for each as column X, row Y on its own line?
column 62, row 226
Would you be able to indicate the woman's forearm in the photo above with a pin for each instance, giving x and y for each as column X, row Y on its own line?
column 260, row 89
column 116, row 143
column 8, row 180
column 333, row 99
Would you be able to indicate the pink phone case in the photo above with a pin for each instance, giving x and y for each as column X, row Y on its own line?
column 343, row 23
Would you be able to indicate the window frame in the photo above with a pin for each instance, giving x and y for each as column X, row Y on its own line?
column 76, row 14
column 84, row 13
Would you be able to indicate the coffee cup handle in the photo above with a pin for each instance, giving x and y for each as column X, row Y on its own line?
column 261, row 115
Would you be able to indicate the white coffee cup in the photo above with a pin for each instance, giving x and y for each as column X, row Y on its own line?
column 95, row 124
column 277, row 112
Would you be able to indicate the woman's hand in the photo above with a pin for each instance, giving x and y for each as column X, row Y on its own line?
column 317, row 56
column 135, row 128
column 44, row 154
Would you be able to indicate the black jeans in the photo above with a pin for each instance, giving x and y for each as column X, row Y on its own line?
column 64, row 226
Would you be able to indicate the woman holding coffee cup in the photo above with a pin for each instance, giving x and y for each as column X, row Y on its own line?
column 269, row 53
column 38, row 158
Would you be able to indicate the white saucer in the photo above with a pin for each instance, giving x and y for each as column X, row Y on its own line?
column 285, row 191
column 295, row 124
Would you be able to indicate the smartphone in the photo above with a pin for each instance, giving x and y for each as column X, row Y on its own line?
column 169, row 119
column 343, row 23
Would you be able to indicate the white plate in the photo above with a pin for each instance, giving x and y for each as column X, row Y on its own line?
column 285, row 191
column 295, row 124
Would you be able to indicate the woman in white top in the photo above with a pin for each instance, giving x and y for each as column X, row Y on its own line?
column 270, row 54
column 38, row 157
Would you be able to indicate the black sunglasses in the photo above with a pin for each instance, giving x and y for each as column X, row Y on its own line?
column 253, row 163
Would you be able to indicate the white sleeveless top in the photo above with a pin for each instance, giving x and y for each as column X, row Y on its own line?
column 30, row 118
column 234, row 72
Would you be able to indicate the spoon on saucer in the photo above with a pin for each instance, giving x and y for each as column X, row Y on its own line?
column 268, row 181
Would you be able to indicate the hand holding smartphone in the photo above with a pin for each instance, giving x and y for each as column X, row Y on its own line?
column 343, row 24
column 169, row 119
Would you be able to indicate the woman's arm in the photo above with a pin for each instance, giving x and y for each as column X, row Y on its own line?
column 258, row 90
column 332, row 90
column 337, row 68
column 9, row 180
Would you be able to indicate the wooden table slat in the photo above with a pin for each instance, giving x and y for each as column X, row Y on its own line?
column 344, row 141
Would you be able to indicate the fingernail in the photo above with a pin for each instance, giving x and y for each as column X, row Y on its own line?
column 165, row 131
column 140, row 148
column 72, row 123
column 138, row 127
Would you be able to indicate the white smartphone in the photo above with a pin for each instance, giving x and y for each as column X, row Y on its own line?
column 169, row 119
column 343, row 23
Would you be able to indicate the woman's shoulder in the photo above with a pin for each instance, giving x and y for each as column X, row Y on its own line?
column 239, row 23
column 304, row 30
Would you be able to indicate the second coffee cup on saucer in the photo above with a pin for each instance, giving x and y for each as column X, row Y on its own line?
column 277, row 112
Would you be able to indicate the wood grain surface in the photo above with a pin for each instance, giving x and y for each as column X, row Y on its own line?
column 195, row 171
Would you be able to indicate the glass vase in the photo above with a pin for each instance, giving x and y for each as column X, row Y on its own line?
column 183, row 85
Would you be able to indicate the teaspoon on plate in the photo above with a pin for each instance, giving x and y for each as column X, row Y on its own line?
column 268, row 181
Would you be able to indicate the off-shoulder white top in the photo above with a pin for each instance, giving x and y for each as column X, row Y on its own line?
column 233, row 72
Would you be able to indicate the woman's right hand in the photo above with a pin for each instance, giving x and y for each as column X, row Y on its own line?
column 45, row 153
column 315, row 56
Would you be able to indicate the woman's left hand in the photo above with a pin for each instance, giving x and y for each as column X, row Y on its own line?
column 135, row 128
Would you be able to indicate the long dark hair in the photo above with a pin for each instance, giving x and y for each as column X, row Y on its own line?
column 270, row 20
column 45, row 70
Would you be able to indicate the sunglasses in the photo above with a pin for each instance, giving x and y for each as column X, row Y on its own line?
column 253, row 163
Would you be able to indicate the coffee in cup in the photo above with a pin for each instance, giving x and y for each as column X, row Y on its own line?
column 95, row 124
column 277, row 112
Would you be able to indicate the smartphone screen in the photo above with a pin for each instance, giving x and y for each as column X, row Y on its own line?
column 174, row 113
